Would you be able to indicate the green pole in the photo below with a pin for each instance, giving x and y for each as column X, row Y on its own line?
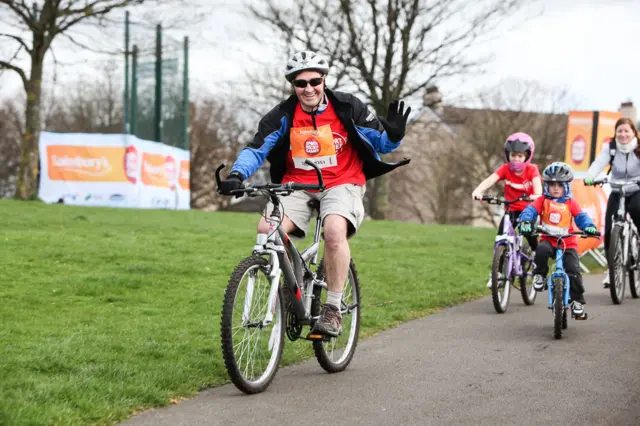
column 134, row 90
column 158, row 114
column 35, row 10
column 126, row 122
column 185, row 96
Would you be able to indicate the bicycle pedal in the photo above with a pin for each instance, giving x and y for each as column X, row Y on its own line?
column 318, row 336
column 582, row 318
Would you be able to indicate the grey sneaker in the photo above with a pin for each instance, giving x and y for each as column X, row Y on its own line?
column 605, row 281
column 577, row 311
column 330, row 321
column 538, row 282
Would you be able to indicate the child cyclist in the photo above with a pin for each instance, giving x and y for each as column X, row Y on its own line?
column 557, row 212
column 521, row 179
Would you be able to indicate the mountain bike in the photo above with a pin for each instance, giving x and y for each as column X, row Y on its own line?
column 511, row 261
column 276, row 291
column 622, row 255
column 558, row 282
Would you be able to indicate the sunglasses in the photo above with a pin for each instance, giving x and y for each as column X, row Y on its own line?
column 301, row 84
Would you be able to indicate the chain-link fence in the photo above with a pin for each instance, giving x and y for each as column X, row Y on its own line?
column 158, row 85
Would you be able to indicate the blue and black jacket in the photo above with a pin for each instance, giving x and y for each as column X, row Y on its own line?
column 364, row 132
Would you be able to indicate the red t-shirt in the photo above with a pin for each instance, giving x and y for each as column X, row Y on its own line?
column 558, row 217
column 516, row 186
column 327, row 146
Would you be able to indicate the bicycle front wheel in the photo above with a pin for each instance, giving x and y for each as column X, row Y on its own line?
column 617, row 267
column 527, row 291
column 500, row 284
column 558, row 307
column 251, row 349
column 335, row 355
column 634, row 265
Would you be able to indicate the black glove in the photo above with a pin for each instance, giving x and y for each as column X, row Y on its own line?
column 396, row 122
column 232, row 182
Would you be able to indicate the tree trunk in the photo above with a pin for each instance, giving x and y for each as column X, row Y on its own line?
column 27, row 185
column 380, row 198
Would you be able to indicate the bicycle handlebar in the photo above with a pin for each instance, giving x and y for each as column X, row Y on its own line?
column 493, row 199
column 616, row 182
column 582, row 234
column 276, row 188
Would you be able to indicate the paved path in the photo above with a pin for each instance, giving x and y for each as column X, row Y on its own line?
column 464, row 366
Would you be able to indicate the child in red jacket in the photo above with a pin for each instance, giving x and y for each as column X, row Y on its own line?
column 521, row 178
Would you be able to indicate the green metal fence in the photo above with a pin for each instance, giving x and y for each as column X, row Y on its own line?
column 156, row 92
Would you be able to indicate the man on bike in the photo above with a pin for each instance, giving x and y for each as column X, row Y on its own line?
column 337, row 132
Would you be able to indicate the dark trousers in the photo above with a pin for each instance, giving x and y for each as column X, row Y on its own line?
column 533, row 241
column 633, row 208
column 571, row 262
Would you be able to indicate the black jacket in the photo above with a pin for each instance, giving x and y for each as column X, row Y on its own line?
column 364, row 131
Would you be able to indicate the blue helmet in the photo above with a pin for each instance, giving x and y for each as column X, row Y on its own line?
column 557, row 172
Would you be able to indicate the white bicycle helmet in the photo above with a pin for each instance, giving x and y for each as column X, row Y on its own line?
column 303, row 61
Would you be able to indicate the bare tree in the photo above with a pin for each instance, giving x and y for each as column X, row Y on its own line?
column 11, row 126
column 509, row 107
column 433, row 188
column 455, row 149
column 87, row 104
column 33, row 31
column 215, row 136
column 388, row 49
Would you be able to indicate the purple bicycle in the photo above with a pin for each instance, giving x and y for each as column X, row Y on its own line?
column 511, row 260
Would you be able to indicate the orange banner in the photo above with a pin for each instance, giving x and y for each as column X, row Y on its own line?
column 85, row 163
column 593, row 202
column 606, row 128
column 578, row 144
column 184, row 177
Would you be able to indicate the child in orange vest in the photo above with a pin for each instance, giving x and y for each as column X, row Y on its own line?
column 557, row 212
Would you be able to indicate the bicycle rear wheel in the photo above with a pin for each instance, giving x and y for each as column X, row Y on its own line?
column 558, row 307
column 335, row 355
column 251, row 349
column 500, row 285
column 617, row 267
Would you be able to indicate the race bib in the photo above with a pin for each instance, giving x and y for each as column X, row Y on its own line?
column 312, row 144
column 556, row 217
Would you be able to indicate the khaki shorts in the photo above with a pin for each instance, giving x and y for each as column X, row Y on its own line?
column 343, row 200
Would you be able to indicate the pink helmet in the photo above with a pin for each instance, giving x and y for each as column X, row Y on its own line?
column 519, row 142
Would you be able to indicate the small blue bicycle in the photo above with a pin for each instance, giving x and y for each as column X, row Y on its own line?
column 511, row 260
column 558, row 281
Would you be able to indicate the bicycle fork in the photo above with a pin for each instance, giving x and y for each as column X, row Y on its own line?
column 265, row 246
column 559, row 272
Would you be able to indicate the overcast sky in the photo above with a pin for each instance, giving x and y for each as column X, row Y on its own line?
column 589, row 47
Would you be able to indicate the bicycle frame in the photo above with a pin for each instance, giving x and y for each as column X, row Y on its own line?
column 559, row 273
column 622, row 220
column 513, row 242
column 284, row 258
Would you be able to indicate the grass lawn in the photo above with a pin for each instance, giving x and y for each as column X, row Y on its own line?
column 106, row 312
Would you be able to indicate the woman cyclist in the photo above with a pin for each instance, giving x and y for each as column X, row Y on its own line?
column 625, row 164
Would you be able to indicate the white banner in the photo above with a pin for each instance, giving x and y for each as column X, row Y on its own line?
column 112, row 170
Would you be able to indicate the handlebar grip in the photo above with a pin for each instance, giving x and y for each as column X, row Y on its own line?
column 307, row 187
